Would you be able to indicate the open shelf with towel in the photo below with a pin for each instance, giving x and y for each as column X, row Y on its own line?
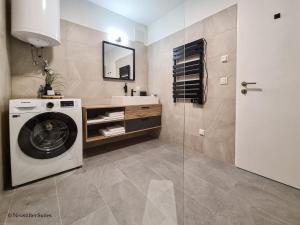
column 189, row 72
column 105, row 122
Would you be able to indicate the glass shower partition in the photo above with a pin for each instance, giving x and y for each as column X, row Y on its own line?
column 167, row 192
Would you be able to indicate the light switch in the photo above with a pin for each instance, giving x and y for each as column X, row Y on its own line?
column 224, row 59
column 223, row 80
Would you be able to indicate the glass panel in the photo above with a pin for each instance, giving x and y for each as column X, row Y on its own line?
column 49, row 135
column 209, row 126
column 166, row 193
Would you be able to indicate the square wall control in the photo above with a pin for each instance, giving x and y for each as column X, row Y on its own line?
column 225, row 59
column 223, row 80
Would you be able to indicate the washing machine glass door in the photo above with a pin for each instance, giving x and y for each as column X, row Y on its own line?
column 47, row 135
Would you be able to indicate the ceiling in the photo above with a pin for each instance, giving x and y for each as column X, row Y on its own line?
column 140, row 11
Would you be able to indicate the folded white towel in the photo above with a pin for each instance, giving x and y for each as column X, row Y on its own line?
column 116, row 117
column 110, row 114
column 116, row 128
column 108, row 133
column 101, row 119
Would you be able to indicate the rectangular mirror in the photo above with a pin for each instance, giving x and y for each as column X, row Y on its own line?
column 118, row 62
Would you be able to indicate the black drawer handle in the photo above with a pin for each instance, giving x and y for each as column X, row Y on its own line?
column 145, row 107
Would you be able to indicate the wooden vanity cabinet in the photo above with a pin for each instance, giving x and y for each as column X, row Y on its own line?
column 137, row 120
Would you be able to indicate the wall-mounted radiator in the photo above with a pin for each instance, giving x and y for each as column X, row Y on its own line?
column 189, row 72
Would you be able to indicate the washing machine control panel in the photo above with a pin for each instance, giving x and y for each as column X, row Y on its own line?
column 67, row 104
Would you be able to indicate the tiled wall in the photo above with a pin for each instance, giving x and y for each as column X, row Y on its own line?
column 4, row 92
column 217, row 116
column 79, row 60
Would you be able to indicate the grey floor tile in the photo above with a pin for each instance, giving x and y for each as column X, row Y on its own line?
column 269, row 203
column 78, row 197
column 168, row 200
column 130, row 206
column 129, row 161
column 143, row 184
column 116, row 155
column 39, row 198
column 208, row 195
column 151, row 144
column 141, row 176
column 196, row 214
column 172, row 155
column 286, row 193
column 169, row 171
column 95, row 162
column 134, row 149
column 214, row 176
column 105, row 176
column 100, row 216
column 4, row 207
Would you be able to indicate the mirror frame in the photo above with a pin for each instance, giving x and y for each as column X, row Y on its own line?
column 103, row 61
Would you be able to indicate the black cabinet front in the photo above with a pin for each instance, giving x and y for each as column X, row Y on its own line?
column 142, row 123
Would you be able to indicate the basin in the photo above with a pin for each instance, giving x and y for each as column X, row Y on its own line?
column 134, row 100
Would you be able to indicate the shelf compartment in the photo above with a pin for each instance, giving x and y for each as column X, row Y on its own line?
column 93, row 129
column 101, row 137
column 96, row 112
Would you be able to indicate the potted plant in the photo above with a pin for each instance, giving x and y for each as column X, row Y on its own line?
column 51, row 78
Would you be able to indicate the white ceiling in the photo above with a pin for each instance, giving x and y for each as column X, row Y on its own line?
column 140, row 11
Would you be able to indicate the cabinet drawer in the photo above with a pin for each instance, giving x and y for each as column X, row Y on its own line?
column 142, row 123
column 135, row 112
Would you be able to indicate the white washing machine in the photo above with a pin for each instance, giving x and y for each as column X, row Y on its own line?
column 45, row 138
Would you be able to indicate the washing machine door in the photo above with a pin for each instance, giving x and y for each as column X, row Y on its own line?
column 47, row 135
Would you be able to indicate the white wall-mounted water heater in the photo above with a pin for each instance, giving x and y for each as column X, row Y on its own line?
column 36, row 21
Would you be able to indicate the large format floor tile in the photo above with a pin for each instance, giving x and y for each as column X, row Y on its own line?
column 78, row 197
column 39, row 198
column 100, row 216
column 153, row 183
column 130, row 206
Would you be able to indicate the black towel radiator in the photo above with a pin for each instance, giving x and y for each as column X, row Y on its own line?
column 189, row 71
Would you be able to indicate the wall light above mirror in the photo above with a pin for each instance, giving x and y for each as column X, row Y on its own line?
column 118, row 62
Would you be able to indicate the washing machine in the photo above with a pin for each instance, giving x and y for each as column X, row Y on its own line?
column 45, row 138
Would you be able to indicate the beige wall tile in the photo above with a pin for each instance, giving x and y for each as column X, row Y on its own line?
column 217, row 116
column 79, row 61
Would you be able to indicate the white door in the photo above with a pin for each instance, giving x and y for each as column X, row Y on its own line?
column 268, row 116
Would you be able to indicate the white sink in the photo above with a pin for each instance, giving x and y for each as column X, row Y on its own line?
column 134, row 100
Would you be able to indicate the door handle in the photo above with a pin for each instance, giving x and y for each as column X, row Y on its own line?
column 245, row 84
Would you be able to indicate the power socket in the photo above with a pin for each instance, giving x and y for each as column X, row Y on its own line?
column 201, row 132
